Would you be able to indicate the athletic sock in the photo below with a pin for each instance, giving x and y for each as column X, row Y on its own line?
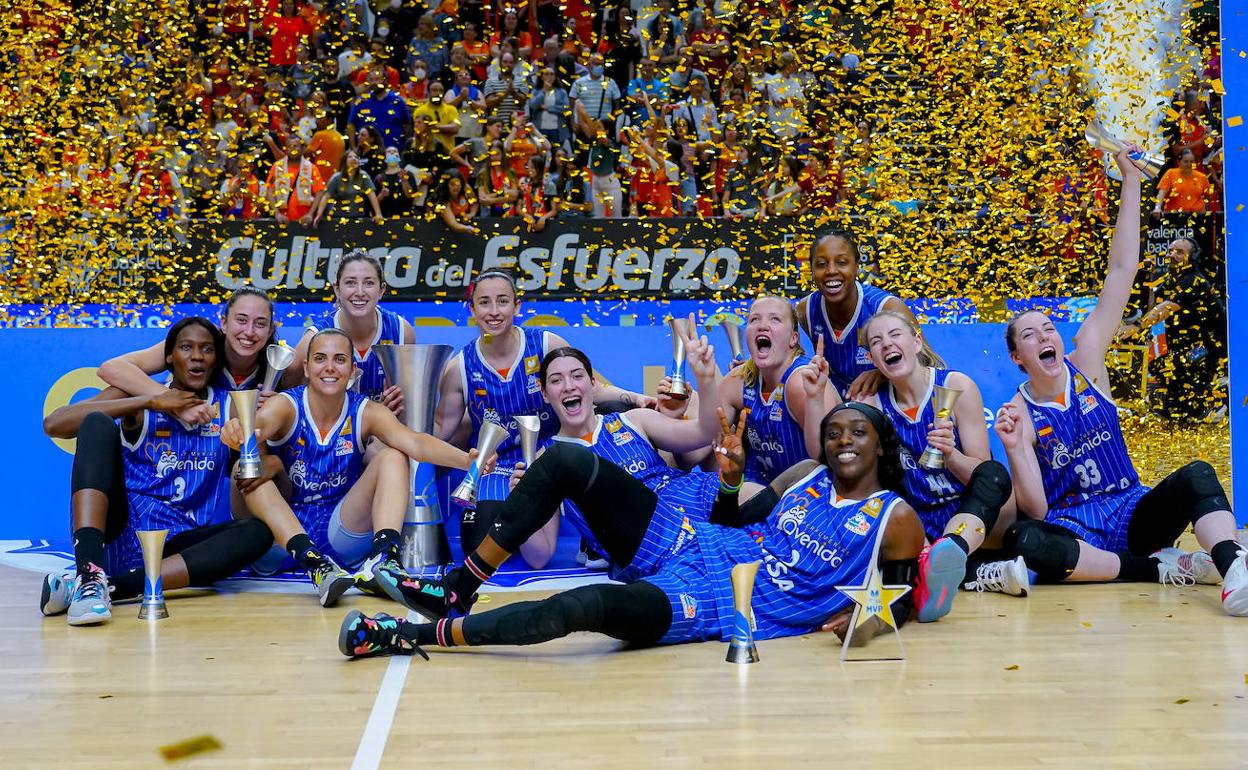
column 1224, row 555
column 959, row 541
column 386, row 541
column 88, row 549
column 127, row 585
column 1138, row 569
column 477, row 568
column 429, row 634
column 304, row 553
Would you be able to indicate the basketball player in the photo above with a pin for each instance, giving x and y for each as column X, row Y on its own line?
column 826, row 531
column 157, row 472
column 783, row 424
column 960, row 503
column 358, row 287
column 1084, row 515
column 495, row 379
column 335, row 510
column 837, row 310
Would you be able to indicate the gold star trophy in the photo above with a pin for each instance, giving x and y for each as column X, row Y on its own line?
column 872, row 600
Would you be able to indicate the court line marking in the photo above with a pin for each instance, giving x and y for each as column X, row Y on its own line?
column 381, row 718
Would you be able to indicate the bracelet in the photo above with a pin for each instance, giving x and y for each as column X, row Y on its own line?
column 728, row 489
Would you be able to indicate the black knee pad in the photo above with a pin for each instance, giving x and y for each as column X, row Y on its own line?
column 1199, row 483
column 988, row 489
column 1049, row 551
column 97, row 453
column 566, row 462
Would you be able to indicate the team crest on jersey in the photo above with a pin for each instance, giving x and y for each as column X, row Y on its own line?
column 621, row 439
column 777, row 413
column 532, row 386
column 873, row 507
column 858, row 524
column 532, row 365
column 862, row 357
column 1081, row 383
column 344, row 446
column 689, row 605
column 1087, row 403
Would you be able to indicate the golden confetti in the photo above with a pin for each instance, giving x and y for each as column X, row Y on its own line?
column 189, row 747
column 1235, row 121
column 1012, row 668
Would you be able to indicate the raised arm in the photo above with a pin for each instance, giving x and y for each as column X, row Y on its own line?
column 131, row 372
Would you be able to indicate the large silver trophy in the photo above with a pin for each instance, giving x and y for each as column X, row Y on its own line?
column 530, row 427
column 416, row 369
column 1149, row 164
column 732, row 329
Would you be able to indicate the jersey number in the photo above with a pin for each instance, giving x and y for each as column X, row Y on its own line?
column 179, row 489
column 1089, row 475
column 939, row 484
column 777, row 570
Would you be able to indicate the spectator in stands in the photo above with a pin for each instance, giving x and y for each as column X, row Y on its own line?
column 1183, row 188
column 820, row 184
column 655, row 177
column 381, row 109
column 155, row 189
column 382, row 56
column 549, row 109
column 354, row 57
column 1195, row 134
column 369, row 149
column 698, row 111
column 287, row 29
column 427, row 46
column 478, row 51
column 442, row 117
column 532, row 204
column 786, row 114
column 416, row 88
column 469, row 101
column 620, row 46
column 709, row 48
column 302, row 80
column 456, row 205
column 602, row 159
column 423, row 151
column 662, row 41
column 565, row 183
column 339, row 96
column 399, row 19
column 509, row 28
column 593, row 98
column 497, row 187
column 522, row 143
column 738, row 78
column 240, row 193
column 506, row 91
column 471, row 156
column 649, row 83
column 400, row 192
column 741, row 187
column 202, row 173
column 782, row 196
column 349, row 194
column 327, row 144
column 293, row 185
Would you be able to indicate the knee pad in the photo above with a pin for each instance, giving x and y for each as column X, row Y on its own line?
column 97, row 453
column 1199, row 483
column 568, row 463
column 987, row 490
column 1051, row 555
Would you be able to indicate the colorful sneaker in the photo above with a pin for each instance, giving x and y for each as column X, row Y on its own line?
column 1235, row 587
column 1006, row 577
column 89, row 603
column 430, row 598
column 364, row 637
column 375, row 572
column 942, row 566
column 331, row 581
column 57, row 590
column 1198, row 564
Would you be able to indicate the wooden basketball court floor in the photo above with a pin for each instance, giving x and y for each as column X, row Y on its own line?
column 1080, row 676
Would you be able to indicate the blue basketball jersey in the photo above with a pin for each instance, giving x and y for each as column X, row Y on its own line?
column 684, row 497
column 812, row 542
column 1080, row 447
column 499, row 398
column 934, row 494
column 846, row 358
column 176, row 476
column 389, row 330
column 775, row 438
column 226, row 382
column 321, row 468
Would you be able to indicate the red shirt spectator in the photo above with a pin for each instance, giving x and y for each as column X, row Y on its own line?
column 286, row 31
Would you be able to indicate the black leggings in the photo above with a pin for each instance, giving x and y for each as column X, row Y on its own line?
column 98, row 465
column 638, row 613
column 616, row 506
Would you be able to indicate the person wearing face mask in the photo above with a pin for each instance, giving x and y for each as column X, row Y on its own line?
column 398, row 20
column 442, row 118
column 381, row 109
column 400, row 192
column 416, row 88
column 594, row 97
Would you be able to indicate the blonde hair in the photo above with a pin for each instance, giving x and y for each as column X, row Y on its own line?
column 927, row 356
column 749, row 370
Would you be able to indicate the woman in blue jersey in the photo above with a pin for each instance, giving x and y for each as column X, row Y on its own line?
column 825, row 531
column 1083, row 513
column 495, row 378
column 248, row 328
column 959, row 504
column 315, row 494
column 782, row 428
column 155, row 472
column 358, row 287
column 838, row 309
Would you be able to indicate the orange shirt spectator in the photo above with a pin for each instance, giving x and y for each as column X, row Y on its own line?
column 1183, row 189
column 286, row 31
column 293, row 184
column 326, row 148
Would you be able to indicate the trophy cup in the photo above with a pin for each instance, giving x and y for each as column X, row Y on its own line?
column 492, row 434
column 741, row 648
column 278, row 357
column 1150, row 165
column 249, row 452
column 530, row 426
column 153, row 543
column 942, row 404
column 357, row 374
column 679, row 389
column 731, row 324
column 416, row 370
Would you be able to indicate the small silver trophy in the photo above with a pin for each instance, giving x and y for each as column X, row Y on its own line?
column 731, row 324
column 530, row 426
column 943, row 400
column 152, row 542
column 680, row 390
column 741, row 647
column 492, row 434
column 278, row 357
column 248, row 452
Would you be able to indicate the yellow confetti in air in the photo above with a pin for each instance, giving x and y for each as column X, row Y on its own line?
column 1235, row 121
column 1218, row 88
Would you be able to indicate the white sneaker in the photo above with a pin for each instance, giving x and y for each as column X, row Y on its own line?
column 57, row 590
column 1197, row 564
column 1007, row 577
column 1235, row 587
column 90, row 603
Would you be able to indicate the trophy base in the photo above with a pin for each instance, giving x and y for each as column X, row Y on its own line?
column 464, row 497
column 248, row 469
column 424, row 545
column 153, row 610
column 932, row 461
column 679, row 390
column 742, row 653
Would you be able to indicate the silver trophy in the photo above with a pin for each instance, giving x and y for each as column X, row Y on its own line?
column 152, row 541
column 248, row 452
column 416, row 370
column 731, row 324
column 741, row 647
column 680, row 390
column 492, row 434
column 278, row 357
column 1150, row 165
column 530, row 426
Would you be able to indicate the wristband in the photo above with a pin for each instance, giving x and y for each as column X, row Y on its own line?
column 727, row 488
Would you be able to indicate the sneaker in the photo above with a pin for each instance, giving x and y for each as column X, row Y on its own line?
column 1198, row 564
column 942, row 566
column 57, row 590
column 431, row 598
column 89, row 603
column 331, row 581
column 364, row 637
column 1006, row 577
column 376, row 569
column 589, row 558
column 1235, row 587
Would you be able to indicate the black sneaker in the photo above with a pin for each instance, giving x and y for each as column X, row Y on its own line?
column 428, row 597
column 374, row 573
column 364, row 637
